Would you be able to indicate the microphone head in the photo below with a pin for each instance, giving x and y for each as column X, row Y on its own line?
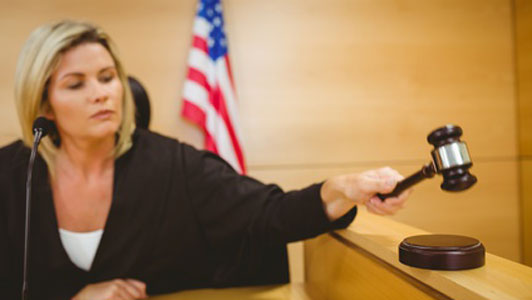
column 43, row 125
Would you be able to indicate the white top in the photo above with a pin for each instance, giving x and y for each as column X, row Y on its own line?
column 81, row 246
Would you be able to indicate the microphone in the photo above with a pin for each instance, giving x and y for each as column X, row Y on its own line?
column 41, row 127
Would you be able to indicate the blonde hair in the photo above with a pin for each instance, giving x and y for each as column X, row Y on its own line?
column 38, row 60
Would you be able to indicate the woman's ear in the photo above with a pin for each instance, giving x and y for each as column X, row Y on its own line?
column 47, row 111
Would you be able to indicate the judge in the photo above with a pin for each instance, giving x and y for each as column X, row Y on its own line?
column 120, row 213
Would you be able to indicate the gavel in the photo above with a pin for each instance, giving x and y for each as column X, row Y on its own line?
column 450, row 158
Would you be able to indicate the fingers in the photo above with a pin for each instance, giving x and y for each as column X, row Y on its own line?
column 141, row 286
column 382, row 180
column 360, row 188
column 118, row 289
column 372, row 185
column 382, row 207
column 389, row 206
column 128, row 290
column 372, row 206
column 388, row 173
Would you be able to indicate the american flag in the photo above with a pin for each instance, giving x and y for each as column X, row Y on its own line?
column 208, row 95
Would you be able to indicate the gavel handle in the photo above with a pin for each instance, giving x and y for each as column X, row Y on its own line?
column 428, row 171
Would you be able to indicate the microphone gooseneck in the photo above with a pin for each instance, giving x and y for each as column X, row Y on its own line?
column 41, row 127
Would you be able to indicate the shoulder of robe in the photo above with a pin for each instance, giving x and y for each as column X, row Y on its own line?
column 13, row 155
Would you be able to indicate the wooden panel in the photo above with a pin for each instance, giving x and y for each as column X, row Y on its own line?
column 347, row 81
column 324, row 84
column 336, row 271
column 282, row 292
column 318, row 81
column 523, row 46
column 493, row 200
column 526, row 209
column 499, row 278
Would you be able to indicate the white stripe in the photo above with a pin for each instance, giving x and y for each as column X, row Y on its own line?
column 201, row 27
column 215, row 125
column 229, row 95
column 196, row 94
column 202, row 62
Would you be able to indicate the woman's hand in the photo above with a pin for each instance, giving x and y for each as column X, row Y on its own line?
column 341, row 193
column 118, row 289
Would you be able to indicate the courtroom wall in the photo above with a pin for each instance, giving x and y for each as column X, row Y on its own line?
column 328, row 87
column 523, row 42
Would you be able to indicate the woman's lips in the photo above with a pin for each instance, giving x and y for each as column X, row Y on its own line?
column 103, row 114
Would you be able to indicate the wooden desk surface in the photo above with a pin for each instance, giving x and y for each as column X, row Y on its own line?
column 499, row 278
column 333, row 272
column 274, row 292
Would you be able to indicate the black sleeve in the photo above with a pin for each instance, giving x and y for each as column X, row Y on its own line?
column 8, row 290
column 231, row 206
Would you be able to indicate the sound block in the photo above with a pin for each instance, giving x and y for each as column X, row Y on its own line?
column 442, row 252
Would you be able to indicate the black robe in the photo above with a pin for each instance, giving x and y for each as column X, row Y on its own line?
column 179, row 219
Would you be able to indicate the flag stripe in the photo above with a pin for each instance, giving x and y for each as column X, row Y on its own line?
column 218, row 102
column 208, row 93
column 230, row 72
column 201, row 61
column 198, row 77
column 200, row 43
column 213, row 124
column 232, row 134
column 196, row 115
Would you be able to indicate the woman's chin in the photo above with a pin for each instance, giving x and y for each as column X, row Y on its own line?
column 103, row 132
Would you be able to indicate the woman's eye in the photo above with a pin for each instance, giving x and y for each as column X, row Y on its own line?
column 75, row 85
column 106, row 78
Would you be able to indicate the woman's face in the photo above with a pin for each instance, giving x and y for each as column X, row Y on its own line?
column 85, row 94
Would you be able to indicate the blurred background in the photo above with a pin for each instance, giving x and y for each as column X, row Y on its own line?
column 329, row 87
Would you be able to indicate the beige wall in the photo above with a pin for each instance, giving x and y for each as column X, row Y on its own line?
column 328, row 87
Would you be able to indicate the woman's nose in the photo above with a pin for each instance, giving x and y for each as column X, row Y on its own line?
column 98, row 92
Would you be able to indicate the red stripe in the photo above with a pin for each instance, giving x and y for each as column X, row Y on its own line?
column 198, row 77
column 197, row 116
column 193, row 113
column 218, row 101
column 229, row 72
column 200, row 43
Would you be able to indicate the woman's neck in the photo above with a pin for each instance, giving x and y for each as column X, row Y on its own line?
column 85, row 158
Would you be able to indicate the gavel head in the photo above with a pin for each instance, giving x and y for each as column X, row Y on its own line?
column 451, row 158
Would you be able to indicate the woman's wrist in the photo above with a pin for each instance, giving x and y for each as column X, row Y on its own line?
column 335, row 202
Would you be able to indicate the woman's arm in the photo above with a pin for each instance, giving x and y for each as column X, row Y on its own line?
column 230, row 206
column 339, row 194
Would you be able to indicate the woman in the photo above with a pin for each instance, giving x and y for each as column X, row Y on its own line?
column 120, row 213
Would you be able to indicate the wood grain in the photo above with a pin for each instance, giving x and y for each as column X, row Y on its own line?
column 523, row 49
column 497, row 279
column 336, row 271
column 281, row 292
column 526, row 210
column 350, row 81
column 318, row 82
